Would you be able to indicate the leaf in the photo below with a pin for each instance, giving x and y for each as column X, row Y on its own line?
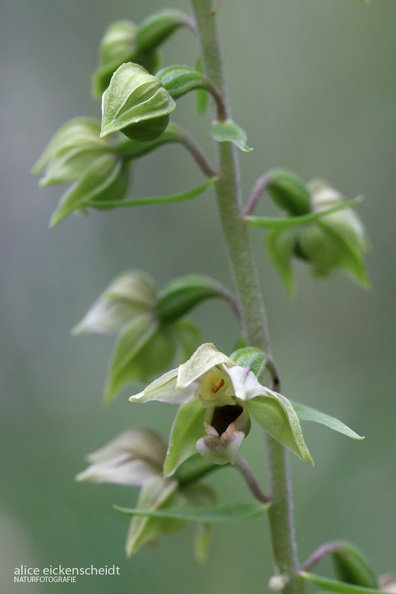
column 188, row 195
column 335, row 586
column 216, row 514
column 286, row 222
column 229, row 131
column 306, row 413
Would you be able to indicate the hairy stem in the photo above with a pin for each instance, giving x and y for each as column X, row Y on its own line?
column 253, row 313
column 251, row 480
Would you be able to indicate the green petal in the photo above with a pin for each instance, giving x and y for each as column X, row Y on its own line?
column 82, row 131
column 277, row 416
column 280, row 245
column 144, row 529
column 187, row 428
column 111, row 182
column 306, row 413
column 130, row 294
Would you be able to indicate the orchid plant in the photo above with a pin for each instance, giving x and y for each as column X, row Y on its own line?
column 218, row 395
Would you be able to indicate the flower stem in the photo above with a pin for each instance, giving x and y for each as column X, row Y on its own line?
column 253, row 312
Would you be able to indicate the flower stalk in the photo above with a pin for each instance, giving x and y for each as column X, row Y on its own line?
column 252, row 307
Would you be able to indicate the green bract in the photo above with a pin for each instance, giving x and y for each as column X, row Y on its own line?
column 217, row 398
column 333, row 241
column 124, row 41
column 136, row 104
column 78, row 155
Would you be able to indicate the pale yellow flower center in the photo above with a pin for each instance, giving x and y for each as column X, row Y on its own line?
column 211, row 384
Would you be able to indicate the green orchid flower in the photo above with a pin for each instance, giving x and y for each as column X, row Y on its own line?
column 135, row 459
column 217, row 397
column 327, row 242
column 77, row 155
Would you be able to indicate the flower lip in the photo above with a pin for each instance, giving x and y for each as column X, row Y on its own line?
column 223, row 416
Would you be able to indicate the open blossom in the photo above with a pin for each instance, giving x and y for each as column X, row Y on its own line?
column 217, row 397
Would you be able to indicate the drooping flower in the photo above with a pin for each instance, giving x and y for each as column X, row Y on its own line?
column 77, row 155
column 334, row 241
column 146, row 344
column 135, row 458
column 217, row 397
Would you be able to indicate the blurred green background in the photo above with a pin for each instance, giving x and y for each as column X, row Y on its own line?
column 313, row 82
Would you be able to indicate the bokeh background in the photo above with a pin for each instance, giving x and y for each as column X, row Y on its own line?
column 313, row 82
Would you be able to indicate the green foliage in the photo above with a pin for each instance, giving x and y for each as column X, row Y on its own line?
column 229, row 131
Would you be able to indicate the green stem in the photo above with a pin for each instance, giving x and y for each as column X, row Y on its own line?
column 253, row 313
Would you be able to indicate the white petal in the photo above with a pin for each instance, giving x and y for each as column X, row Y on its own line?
column 246, row 384
column 164, row 389
column 204, row 358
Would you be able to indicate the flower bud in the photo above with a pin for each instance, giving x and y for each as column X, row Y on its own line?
column 124, row 41
column 78, row 155
column 327, row 243
column 119, row 45
column 136, row 104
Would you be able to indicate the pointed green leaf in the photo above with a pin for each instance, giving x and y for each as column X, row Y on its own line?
column 238, row 512
column 229, row 131
column 277, row 416
column 188, row 195
column 306, row 413
column 295, row 221
column 335, row 586
column 187, row 428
